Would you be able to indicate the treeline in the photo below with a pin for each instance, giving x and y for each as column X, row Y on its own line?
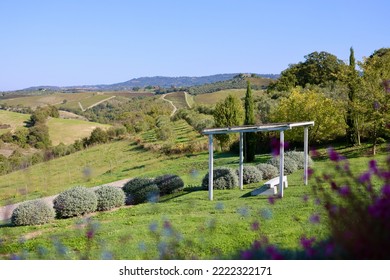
column 237, row 82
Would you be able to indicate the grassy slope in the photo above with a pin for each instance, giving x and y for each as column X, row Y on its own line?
column 215, row 228
column 57, row 99
column 67, row 131
column 15, row 120
column 212, row 98
column 178, row 99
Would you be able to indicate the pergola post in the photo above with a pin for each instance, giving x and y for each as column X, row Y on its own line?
column 241, row 167
column 281, row 163
column 306, row 152
column 211, row 168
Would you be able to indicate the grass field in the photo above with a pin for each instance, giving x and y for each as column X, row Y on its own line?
column 178, row 99
column 72, row 99
column 195, row 226
column 206, row 229
column 213, row 98
column 67, row 131
column 182, row 130
column 60, row 130
column 15, row 120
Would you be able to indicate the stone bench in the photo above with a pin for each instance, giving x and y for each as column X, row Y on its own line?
column 270, row 187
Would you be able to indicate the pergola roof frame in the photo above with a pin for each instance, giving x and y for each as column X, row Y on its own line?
column 281, row 127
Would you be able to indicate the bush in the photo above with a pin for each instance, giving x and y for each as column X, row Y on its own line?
column 223, row 177
column 269, row 171
column 290, row 165
column 169, row 183
column 299, row 158
column 76, row 201
column 251, row 174
column 34, row 212
column 109, row 197
column 139, row 190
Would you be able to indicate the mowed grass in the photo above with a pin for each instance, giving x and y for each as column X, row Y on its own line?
column 178, row 99
column 15, row 120
column 67, row 131
column 206, row 229
column 214, row 97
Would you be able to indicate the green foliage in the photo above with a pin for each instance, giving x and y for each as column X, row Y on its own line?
column 249, row 138
column 269, row 171
column 33, row 212
column 376, row 96
column 140, row 190
column 39, row 136
column 76, row 201
column 109, row 197
column 199, row 118
column 290, row 165
column 251, row 174
column 169, row 183
column 311, row 105
column 98, row 136
column 228, row 113
column 223, row 178
column 319, row 68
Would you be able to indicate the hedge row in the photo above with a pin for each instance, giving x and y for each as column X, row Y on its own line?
column 79, row 200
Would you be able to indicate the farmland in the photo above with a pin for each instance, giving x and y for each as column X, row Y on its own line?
column 213, row 98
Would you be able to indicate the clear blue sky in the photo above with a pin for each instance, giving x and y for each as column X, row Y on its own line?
column 81, row 42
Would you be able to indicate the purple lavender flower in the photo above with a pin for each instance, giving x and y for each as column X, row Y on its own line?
column 365, row 177
column 255, row 226
column 345, row 191
column 246, row 255
column 271, row 200
column 305, row 198
column 333, row 155
column 314, row 219
column 273, row 253
column 373, row 166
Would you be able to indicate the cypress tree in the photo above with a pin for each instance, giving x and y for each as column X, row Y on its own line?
column 352, row 131
column 249, row 138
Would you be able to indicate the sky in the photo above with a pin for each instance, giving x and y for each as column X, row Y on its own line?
column 88, row 42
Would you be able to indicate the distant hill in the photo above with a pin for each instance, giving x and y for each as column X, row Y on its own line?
column 157, row 81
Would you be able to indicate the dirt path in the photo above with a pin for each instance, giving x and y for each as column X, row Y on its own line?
column 6, row 211
column 174, row 107
column 185, row 97
column 101, row 101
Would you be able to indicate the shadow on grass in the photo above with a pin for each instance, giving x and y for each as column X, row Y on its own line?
column 184, row 192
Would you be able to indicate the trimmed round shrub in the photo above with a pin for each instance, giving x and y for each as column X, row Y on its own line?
column 169, row 183
column 299, row 158
column 223, row 178
column 34, row 212
column 250, row 174
column 268, row 170
column 76, row 201
column 140, row 190
column 290, row 165
column 109, row 197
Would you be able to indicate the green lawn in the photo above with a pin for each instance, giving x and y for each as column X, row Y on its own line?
column 201, row 228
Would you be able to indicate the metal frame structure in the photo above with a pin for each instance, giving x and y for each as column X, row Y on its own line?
column 281, row 127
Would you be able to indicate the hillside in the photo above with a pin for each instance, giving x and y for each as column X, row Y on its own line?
column 60, row 130
column 142, row 82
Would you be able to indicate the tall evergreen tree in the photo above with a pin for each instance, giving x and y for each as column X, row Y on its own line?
column 352, row 132
column 249, row 138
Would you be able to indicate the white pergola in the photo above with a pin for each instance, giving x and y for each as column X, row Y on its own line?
column 281, row 127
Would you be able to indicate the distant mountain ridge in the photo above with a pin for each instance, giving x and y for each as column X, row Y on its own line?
column 156, row 81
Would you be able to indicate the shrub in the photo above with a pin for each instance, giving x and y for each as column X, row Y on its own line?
column 290, row 165
column 139, row 190
column 251, row 174
column 109, row 197
column 269, row 171
column 76, row 201
column 34, row 212
column 223, row 177
column 299, row 158
column 169, row 183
